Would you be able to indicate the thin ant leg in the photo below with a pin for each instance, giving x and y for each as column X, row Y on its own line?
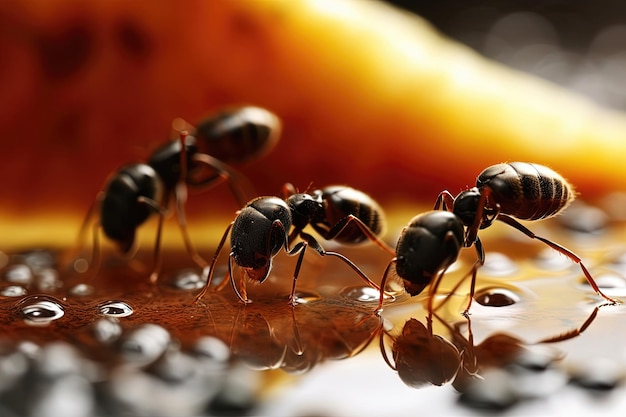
column 157, row 253
column 343, row 223
column 211, row 269
column 180, row 195
column 383, row 282
column 480, row 261
column 95, row 249
column 157, row 259
column 445, row 201
column 224, row 282
column 383, row 350
column 299, row 248
column 472, row 231
column 71, row 255
column 243, row 294
column 576, row 332
column 238, row 184
column 571, row 255
column 315, row 245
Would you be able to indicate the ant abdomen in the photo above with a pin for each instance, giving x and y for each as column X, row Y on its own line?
column 120, row 214
column 339, row 202
column 235, row 136
column 524, row 190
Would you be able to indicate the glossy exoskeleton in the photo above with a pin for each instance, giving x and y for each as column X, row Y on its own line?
column 137, row 191
column 268, row 224
column 503, row 192
column 427, row 246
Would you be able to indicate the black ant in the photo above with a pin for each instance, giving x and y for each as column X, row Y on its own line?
column 136, row 191
column 268, row 224
column 432, row 241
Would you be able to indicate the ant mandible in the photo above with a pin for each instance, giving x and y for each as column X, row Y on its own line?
column 268, row 224
column 136, row 191
column 432, row 241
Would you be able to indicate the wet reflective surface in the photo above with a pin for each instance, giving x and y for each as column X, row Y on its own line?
column 537, row 335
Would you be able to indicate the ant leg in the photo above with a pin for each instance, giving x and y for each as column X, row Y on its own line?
column 72, row 254
column 243, row 294
column 576, row 332
column 383, row 350
column 157, row 253
column 223, row 283
column 571, row 255
column 343, row 223
column 434, row 285
column 450, row 240
column 472, row 230
column 180, row 195
column 311, row 241
column 445, row 201
column 239, row 186
column 480, row 261
column 299, row 248
column 154, row 275
column 211, row 269
column 383, row 282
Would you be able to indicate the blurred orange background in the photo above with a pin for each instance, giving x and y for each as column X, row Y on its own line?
column 369, row 96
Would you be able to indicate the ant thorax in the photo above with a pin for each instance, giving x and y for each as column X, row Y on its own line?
column 305, row 209
column 466, row 205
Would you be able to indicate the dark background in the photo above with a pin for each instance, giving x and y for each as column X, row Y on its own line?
column 578, row 44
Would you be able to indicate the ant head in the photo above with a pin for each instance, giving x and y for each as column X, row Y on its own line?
column 466, row 205
column 304, row 207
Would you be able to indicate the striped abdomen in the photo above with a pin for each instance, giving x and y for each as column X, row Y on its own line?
column 524, row 190
column 238, row 135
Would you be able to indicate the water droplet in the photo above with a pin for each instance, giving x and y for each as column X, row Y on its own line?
column 494, row 391
column 115, row 309
column 600, row 374
column 302, row 297
column 107, row 330
column 81, row 265
column 175, row 367
column 583, row 218
column 188, row 280
column 40, row 311
column 81, row 290
column 48, row 279
column 39, row 259
column 13, row 291
column 145, row 344
column 498, row 264
column 19, row 274
column 361, row 293
column 496, row 297
column 57, row 359
column 212, row 349
column 549, row 259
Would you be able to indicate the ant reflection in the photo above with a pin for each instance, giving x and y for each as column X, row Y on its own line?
column 268, row 224
column 422, row 357
column 431, row 242
column 137, row 191
column 271, row 335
